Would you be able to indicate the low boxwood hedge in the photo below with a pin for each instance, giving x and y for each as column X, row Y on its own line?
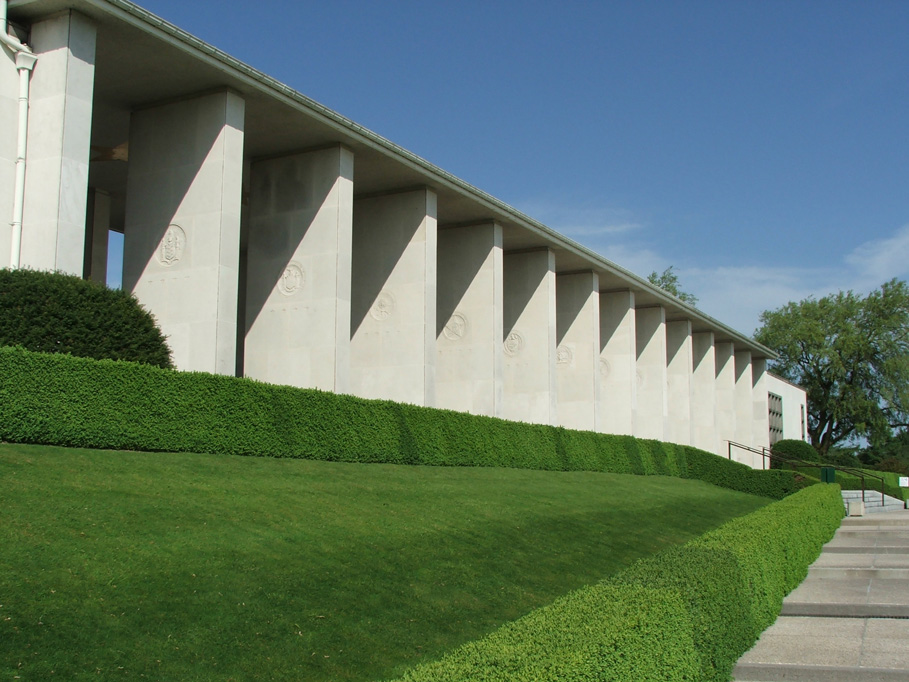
column 688, row 613
column 58, row 399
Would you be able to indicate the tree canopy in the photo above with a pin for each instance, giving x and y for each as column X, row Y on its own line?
column 851, row 354
column 669, row 282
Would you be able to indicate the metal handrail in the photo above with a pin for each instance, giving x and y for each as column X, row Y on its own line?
column 768, row 454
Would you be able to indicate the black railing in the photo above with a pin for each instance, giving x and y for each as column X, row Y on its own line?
column 769, row 456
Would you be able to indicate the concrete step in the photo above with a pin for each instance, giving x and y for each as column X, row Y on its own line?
column 770, row 672
column 848, row 573
column 745, row 672
column 824, row 649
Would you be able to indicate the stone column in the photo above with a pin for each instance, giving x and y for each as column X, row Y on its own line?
column 578, row 350
column 760, row 403
column 618, row 362
column 530, row 337
column 744, row 423
column 678, row 380
column 470, row 355
column 652, row 407
column 59, row 144
column 97, row 228
column 182, row 233
column 393, row 297
column 703, row 392
column 298, row 270
column 725, row 396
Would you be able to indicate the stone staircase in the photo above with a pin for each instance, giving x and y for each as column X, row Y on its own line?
column 849, row 620
column 873, row 502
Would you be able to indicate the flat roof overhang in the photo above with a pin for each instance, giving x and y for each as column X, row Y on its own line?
column 142, row 60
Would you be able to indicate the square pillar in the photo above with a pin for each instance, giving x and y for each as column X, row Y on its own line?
column 651, row 414
column 678, row 381
column 59, row 144
column 618, row 362
column 760, row 404
column 744, row 423
column 530, row 337
column 578, row 350
column 393, row 297
column 181, row 246
column 470, row 355
column 703, row 392
column 97, row 229
column 725, row 396
column 298, row 269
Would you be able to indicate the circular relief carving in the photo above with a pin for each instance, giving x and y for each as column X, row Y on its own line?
column 292, row 280
column 384, row 306
column 172, row 246
column 514, row 344
column 564, row 355
column 456, row 328
column 605, row 368
column 639, row 376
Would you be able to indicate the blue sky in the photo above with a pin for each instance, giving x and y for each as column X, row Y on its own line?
column 760, row 148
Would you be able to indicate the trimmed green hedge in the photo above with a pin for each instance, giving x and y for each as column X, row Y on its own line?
column 52, row 312
column 687, row 613
column 63, row 400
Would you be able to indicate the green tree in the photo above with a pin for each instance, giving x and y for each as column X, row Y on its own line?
column 669, row 282
column 851, row 354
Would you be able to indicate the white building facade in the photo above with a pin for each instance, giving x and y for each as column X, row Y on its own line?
column 273, row 238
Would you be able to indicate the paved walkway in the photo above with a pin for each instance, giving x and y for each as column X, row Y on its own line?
column 849, row 620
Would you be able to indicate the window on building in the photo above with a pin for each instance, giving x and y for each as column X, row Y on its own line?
column 775, row 404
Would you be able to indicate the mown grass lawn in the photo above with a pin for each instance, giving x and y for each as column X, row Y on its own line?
column 198, row 567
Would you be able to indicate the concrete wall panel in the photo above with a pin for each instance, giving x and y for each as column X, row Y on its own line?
column 578, row 350
column 744, row 425
column 678, row 379
column 97, row 230
column 182, row 232
column 298, row 270
column 725, row 396
column 9, row 121
column 530, row 337
column 393, row 297
column 651, row 415
column 760, row 417
column 703, row 392
column 470, row 354
column 59, row 144
column 618, row 362
column 794, row 407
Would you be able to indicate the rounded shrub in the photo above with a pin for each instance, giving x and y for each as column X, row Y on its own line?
column 50, row 312
column 793, row 449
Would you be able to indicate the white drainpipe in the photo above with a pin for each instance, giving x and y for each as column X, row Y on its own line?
column 25, row 62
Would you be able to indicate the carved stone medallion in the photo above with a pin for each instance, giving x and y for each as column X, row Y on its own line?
column 605, row 368
column 172, row 246
column 564, row 356
column 384, row 306
column 514, row 344
column 292, row 280
column 456, row 328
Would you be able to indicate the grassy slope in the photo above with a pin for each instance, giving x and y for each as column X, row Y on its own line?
column 205, row 567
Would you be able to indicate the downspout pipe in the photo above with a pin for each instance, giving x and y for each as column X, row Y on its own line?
column 25, row 62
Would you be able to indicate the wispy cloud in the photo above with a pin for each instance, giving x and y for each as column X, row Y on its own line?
column 579, row 220
column 734, row 293
column 880, row 260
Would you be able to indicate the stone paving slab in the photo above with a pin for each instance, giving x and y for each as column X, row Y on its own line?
column 849, row 620
column 861, row 647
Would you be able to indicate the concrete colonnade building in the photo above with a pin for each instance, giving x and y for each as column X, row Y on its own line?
column 275, row 239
